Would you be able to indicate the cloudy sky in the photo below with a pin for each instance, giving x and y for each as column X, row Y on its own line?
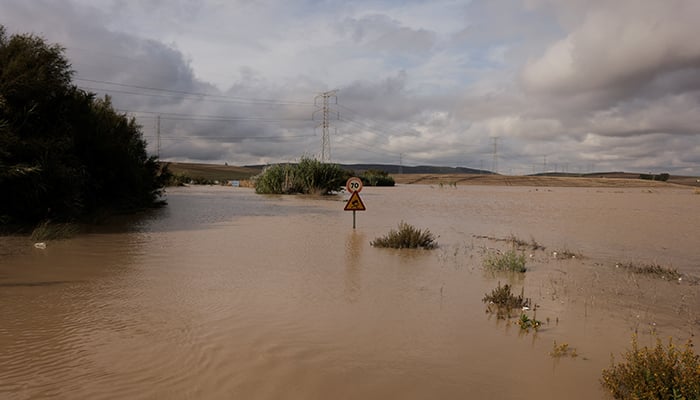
column 574, row 86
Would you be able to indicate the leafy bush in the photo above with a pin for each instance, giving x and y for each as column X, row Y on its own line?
column 309, row 176
column 655, row 373
column 508, row 261
column 64, row 154
column 407, row 236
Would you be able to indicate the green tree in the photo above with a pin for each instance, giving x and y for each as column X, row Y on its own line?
column 63, row 153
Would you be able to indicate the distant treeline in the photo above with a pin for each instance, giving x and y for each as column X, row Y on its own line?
column 655, row 177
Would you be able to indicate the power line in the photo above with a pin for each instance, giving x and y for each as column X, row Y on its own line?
column 197, row 94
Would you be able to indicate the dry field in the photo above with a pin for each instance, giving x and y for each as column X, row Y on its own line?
column 598, row 180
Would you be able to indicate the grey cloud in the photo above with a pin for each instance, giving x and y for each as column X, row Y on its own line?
column 618, row 47
column 381, row 33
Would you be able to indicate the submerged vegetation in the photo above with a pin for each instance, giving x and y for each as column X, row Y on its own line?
column 654, row 270
column 309, row 176
column 563, row 350
column 502, row 301
column 661, row 372
column 64, row 154
column 509, row 261
column 407, row 236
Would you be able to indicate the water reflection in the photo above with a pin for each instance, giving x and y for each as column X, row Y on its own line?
column 354, row 243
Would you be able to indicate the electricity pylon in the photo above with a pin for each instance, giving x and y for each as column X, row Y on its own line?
column 325, row 110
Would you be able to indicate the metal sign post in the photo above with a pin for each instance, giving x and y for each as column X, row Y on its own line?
column 354, row 186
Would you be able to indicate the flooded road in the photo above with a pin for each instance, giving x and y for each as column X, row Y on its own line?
column 226, row 294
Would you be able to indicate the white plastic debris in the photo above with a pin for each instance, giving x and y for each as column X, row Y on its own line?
column 40, row 245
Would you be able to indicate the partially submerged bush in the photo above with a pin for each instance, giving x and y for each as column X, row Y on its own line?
column 502, row 301
column 309, row 176
column 407, row 236
column 652, row 270
column 655, row 373
column 508, row 261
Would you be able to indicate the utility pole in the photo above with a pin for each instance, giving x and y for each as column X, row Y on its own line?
column 544, row 165
column 495, row 155
column 400, row 163
column 158, row 136
column 324, row 109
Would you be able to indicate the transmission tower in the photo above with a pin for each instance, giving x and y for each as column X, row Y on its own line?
column 495, row 155
column 322, row 102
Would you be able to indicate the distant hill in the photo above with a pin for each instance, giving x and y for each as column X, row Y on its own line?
column 395, row 169
column 432, row 174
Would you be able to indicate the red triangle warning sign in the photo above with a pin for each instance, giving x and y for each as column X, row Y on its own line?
column 355, row 203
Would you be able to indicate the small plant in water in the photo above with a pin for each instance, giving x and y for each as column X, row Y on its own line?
column 508, row 261
column 563, row 350
column 407, row 236
column 661, row 372
column 526, row 323
column 503, row 301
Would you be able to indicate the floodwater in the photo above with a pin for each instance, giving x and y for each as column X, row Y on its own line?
column 225, row 294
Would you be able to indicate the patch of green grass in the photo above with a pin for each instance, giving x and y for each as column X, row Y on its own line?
column 502, row 301
column 661, row 372
column 509, row 261
column 48, row 230
column 652, row 270
column 406, row 237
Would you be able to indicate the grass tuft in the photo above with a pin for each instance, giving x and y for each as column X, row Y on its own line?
column 406, row 237
column 661, row 372
column 508, row 261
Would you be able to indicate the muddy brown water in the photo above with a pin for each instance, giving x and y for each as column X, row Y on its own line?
column 226, row 294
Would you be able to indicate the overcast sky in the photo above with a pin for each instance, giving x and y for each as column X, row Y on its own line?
column 576, row 85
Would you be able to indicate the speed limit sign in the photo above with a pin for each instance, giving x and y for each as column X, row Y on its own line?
column 354, row 185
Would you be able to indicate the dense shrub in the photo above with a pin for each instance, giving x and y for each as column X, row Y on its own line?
column 407, row 236
column 374, row 177
column 63, row 153
column 661, row 372
column 309, row 176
